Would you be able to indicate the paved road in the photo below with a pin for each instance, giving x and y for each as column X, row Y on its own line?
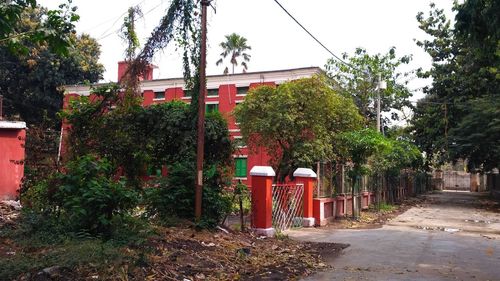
column 450, row 237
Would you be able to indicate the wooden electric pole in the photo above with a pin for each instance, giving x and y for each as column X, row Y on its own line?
column 201, row 112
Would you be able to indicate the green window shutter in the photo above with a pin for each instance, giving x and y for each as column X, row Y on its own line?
column 159, row 95
column 212, row 92
column 242, row 90
column 153, row 171
column 211, row 107
column 241, row 167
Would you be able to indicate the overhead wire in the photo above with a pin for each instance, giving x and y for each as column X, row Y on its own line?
column 316, row 39
column 110, row 19
column 106, row 33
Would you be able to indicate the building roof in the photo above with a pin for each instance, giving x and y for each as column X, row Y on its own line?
column 213, row 81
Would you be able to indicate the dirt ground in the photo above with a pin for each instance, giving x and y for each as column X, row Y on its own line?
column 171, row 253
column 373, row 218
column 447, row 236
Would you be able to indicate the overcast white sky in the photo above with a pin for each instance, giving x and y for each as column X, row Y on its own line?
column 276, row 41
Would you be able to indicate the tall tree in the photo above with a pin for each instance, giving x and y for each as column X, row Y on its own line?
column 296, row 122
column 458, row 119
column 31, row 81
column 54, row 29
column 359, row 79
column 235, row 46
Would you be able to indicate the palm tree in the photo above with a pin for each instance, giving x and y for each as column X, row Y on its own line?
column 235, row 46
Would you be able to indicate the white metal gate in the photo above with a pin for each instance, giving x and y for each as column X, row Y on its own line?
column 288, row 206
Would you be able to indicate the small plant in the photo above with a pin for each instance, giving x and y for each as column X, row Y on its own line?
column 241, row 193
column 280, row 235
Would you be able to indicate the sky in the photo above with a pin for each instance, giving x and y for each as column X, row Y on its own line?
column 277, row 42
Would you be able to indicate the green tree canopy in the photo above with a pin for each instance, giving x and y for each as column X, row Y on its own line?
column 458, row 119
column 296, row 122
column 31, row 81
column 370, row 151
column 359, row 80
column 53, row 29
column 235, row 46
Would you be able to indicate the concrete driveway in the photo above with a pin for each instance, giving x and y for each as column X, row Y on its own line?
column 450, row 237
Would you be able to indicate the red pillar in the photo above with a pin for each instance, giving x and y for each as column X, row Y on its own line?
column 307, row 177
column 12, row 141
column 262, row 200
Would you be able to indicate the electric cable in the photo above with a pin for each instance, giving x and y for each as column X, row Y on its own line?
column 314, row 37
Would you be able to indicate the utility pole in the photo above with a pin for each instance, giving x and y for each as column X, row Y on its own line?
column 382, row 85
column 201, row 112
column 378, row 110
column 1, row 107
column 446, row 128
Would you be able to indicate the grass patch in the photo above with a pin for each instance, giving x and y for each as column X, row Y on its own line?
column 36, row 243
column 384, row 207
column 94, row 254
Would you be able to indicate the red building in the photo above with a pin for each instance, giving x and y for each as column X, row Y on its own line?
column 224, row 92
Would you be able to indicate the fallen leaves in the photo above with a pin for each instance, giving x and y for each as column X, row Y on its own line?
column 225, row 256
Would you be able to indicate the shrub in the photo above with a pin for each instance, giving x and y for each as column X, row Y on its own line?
column 86, row 197
column 173, row 196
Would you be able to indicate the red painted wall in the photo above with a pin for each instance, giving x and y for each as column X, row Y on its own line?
column 11, row 161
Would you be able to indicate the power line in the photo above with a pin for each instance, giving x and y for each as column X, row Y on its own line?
column 104, row 35
column 110, row 19
column 314, row 37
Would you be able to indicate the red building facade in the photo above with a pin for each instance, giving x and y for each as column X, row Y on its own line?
column 224, row 92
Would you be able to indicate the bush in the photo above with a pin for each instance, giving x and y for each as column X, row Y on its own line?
column 173, row 196
column 85, row 198
column 134, row 138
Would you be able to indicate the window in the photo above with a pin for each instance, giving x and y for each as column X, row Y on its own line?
column 212, row 92
column 211, row 107
column 154, row 171
column 188, row 93
column 242, row 91
column 241, row 167
column 160, row 95
column 238, row 142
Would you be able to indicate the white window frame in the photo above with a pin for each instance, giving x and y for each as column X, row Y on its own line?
column 161, row 99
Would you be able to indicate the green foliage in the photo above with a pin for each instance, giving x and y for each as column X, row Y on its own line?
column 154, row 136
column 54, row 29
column 398, row 154
column 31, row 80
column 296, row 122
column 68, row 255
column 182, row 24
column 234, row 46
column 458, row 117
column 476, row 136
column 384, row 207
column 173, row 196
column 360, row 81
column 41, row 242
column 86, row 197
column 128, row 31
column 371, row 152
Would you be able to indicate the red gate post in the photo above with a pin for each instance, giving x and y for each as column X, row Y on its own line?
column 308, row 177
column 12, row 154
column 262, row 200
